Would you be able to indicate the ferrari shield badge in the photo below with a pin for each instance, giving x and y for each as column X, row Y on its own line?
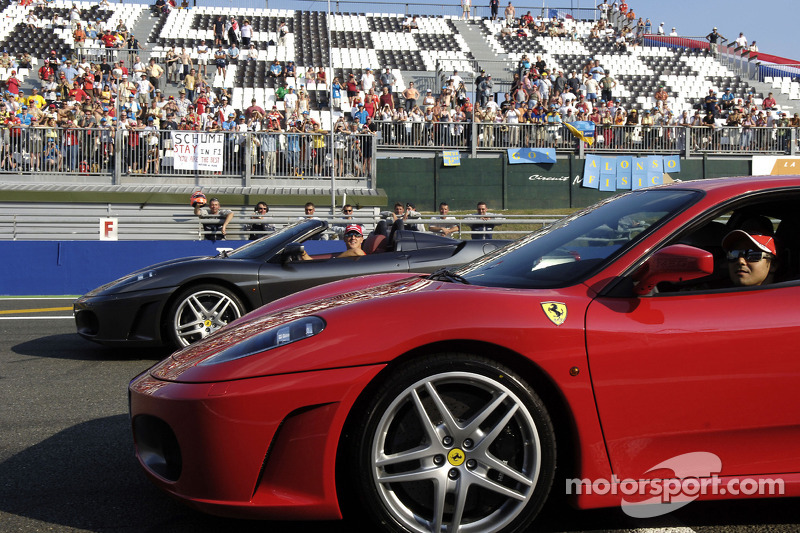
column 555, row 311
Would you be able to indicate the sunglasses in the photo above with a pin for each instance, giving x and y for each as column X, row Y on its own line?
column 352, row 234
column 751, row 256
column 262, row 209
column 347, row 211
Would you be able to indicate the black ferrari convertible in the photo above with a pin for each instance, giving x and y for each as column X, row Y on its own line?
column 181, row 301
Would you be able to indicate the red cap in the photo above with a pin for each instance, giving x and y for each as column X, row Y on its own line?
column 354, row 227
column 765, row 243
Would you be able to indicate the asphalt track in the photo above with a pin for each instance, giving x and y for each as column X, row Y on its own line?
column 67, row 463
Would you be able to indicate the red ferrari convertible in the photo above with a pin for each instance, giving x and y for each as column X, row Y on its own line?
column 641, row 352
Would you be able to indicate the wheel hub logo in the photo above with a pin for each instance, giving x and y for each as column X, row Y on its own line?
column 456, row 457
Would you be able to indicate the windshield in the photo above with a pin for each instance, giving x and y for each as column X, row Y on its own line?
column 577, row 246
column 265, row 245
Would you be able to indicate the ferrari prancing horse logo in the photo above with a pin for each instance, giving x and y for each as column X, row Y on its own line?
column 555, row 311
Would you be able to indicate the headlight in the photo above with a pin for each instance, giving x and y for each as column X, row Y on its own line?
column 135, row 278
column 300, row 329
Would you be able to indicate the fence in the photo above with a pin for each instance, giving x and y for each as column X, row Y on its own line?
column 107, row 151
column 168, row 222
column 243, row 156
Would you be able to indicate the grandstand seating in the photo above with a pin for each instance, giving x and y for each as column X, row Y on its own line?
column 371, row 40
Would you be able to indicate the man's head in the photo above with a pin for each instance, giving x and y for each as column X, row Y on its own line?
column 310, row 209
column 444, row 208
column 752, row 254
column 398, row 208
column 262, row 208
column 213, row 206
column 481, row 208
column 353, row 236
column 347, row 209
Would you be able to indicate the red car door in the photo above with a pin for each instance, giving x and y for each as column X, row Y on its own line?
column 683, row 372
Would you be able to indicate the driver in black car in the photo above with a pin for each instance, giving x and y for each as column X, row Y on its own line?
column 353, row 239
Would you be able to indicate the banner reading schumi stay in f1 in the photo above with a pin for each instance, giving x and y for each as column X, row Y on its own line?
column 626, row 173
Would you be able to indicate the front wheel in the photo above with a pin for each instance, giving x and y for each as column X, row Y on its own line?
column 455, row 443
column 200, row 311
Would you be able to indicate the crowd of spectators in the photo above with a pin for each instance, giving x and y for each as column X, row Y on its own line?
column 70, row 122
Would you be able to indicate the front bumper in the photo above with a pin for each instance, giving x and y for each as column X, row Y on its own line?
column 256, row 448
column 129, row 319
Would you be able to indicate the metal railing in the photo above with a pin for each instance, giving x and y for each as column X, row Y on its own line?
column 166, row 223
column 114, row 152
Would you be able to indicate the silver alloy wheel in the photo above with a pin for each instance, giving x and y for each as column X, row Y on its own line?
column 456, row 452
column 202, row 313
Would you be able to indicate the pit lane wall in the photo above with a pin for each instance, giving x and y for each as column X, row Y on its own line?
column 38, row 268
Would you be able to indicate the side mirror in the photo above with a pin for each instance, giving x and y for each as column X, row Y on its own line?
column 293, row 252
column 675, row 263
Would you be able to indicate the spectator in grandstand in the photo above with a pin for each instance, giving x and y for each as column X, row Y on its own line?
column 607, row 83
column 753, row 49
column 485, row 90
column 769, row 103
column 221, row 61
column 674, row 32
column 386, row 99
column 713, row 39
column 710, row 102
column 741, row 41
column 233, row 52
column 367, row 80
column 661, row 96
column 154, row 72
column 283, row 32
column 133, row 46
column 494, row 5
column 232, row 27
column 336, row 93
column 388, row 79
column 510, row 14
column 290, row 101
column 203, row 53
column 727, row 100
column 352, row 90
column 246, row 32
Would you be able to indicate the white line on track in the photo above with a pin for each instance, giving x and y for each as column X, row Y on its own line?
column 37, row 317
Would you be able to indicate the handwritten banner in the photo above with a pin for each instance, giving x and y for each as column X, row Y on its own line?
column 197, row 151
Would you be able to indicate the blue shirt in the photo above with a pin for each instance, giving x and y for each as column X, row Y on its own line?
column 361, row 116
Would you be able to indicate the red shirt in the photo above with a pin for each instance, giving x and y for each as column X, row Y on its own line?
column 109, row 40
column 623, row 7
column 13, row 85
column 88, row 81
column 201, row 104
column 78, row 94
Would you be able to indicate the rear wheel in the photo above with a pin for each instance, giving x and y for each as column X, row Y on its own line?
column 455, row 443
column 200, row 311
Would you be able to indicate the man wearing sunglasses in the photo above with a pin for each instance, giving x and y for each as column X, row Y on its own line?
column 752, row 257
column 353, row 238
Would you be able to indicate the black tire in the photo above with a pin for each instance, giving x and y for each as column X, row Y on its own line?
column 497, row 468
column 199, row 311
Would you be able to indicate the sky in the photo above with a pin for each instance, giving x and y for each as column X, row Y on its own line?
column 771, row 23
